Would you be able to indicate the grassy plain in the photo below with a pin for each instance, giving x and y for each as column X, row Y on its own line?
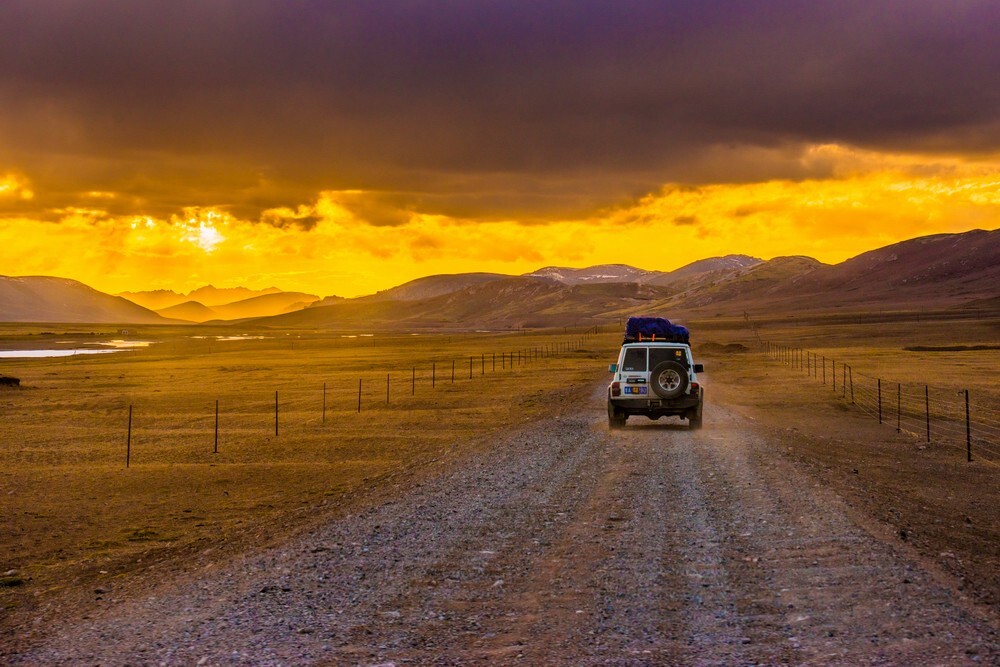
column 78, row 518
column 73, row 513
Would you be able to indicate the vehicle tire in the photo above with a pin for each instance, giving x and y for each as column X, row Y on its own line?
column 616, row 418
column 669, row 379
column 694, row 414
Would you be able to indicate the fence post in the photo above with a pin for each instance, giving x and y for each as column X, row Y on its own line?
column 359, row 395
column 968, row 430
column 128, row 441
column 470, row 368
column 850, row 376
column 843, row 384
column 215, row 449
column 899, row 404
column 482, row 363
column 927, row 411
column 276, row 414
column 824, row 369
column 880, row 400
column 833, row 374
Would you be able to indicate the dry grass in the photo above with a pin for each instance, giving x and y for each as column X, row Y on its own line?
column 73, row 508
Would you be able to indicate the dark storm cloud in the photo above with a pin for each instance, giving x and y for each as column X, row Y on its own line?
column 474, row 108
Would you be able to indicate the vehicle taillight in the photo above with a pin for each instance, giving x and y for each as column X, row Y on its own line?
column 694, row 386
column 616, row 389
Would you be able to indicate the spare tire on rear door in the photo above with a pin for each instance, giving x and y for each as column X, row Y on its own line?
column 669, row 379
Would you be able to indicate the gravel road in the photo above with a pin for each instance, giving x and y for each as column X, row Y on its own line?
column 564, row 544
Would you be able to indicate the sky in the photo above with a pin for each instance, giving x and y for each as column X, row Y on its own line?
column 346, row 147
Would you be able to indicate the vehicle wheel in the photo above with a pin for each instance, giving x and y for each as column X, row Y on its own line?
column 669, row 379
column 616, row 418
column 694, row 415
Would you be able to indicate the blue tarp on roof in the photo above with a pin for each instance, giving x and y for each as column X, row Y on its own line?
column 654, row 328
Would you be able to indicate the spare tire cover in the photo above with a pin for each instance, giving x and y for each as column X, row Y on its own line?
column 669, row 379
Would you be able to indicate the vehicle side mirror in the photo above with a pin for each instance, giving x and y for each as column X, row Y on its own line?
column 699, row 368
column 613, row 368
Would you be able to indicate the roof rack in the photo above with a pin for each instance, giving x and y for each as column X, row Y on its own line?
column 654, row 329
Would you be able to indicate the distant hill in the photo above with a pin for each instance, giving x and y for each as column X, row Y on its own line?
column 218, row 296
column 510, row 302
column 938, row 271
column 714, row 268
column 190, row 311
column 258, row 306
column 766, row 281
column 207, row 296
column 49, row 299
column 431, row 286
column 264, row 305
column 157, row 299
column 602, row 273
column 942, row 269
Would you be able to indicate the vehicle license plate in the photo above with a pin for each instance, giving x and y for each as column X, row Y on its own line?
column 635, row 390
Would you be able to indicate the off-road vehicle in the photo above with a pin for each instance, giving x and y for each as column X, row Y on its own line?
column 655, row 379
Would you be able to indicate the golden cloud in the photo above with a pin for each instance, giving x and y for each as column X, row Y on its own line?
column 15, row 186
column 329, row 246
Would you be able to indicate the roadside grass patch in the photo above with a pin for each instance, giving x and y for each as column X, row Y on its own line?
column 74, row 509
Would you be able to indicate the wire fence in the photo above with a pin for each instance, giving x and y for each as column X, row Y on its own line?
column 240, row 410
column 951, row 417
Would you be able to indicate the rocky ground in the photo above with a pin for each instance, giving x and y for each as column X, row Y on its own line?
column 564, row 543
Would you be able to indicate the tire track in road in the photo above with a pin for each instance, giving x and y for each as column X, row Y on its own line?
column 811, row 586
column 481, row 612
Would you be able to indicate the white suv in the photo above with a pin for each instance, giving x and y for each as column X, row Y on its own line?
column 655, row 379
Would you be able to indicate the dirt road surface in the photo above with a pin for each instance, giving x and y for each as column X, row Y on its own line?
column 564, row 543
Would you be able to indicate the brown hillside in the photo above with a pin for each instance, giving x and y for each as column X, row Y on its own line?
column 432, row 286
column 508, row 303
column 769, row 281
column 939, row 270
column 48, row 299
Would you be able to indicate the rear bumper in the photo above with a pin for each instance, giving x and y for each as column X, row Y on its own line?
column 655, row 406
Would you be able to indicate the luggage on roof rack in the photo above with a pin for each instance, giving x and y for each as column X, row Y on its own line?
column 654, row 329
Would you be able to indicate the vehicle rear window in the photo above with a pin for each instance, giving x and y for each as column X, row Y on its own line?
column 657, row 356
column 635, row 359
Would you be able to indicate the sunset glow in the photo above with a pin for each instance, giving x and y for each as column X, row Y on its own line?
column 341, row 252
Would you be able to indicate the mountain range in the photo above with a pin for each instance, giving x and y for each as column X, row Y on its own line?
column 938, row 271
column 209, row 295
